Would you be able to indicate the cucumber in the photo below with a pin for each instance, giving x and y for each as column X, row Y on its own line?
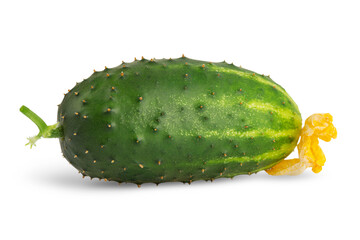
column 174, row 120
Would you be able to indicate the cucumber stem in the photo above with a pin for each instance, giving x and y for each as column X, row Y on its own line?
column 45, row 131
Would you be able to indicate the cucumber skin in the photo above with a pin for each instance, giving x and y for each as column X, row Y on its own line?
column 176, row 120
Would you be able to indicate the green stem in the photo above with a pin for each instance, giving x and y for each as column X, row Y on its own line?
column 45, row 131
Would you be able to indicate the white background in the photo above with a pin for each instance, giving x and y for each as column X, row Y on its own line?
column 311, row 48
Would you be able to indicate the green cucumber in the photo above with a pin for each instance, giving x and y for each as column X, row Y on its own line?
column 174, row 120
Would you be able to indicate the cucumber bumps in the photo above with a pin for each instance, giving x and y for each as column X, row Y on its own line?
column 175, row 120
